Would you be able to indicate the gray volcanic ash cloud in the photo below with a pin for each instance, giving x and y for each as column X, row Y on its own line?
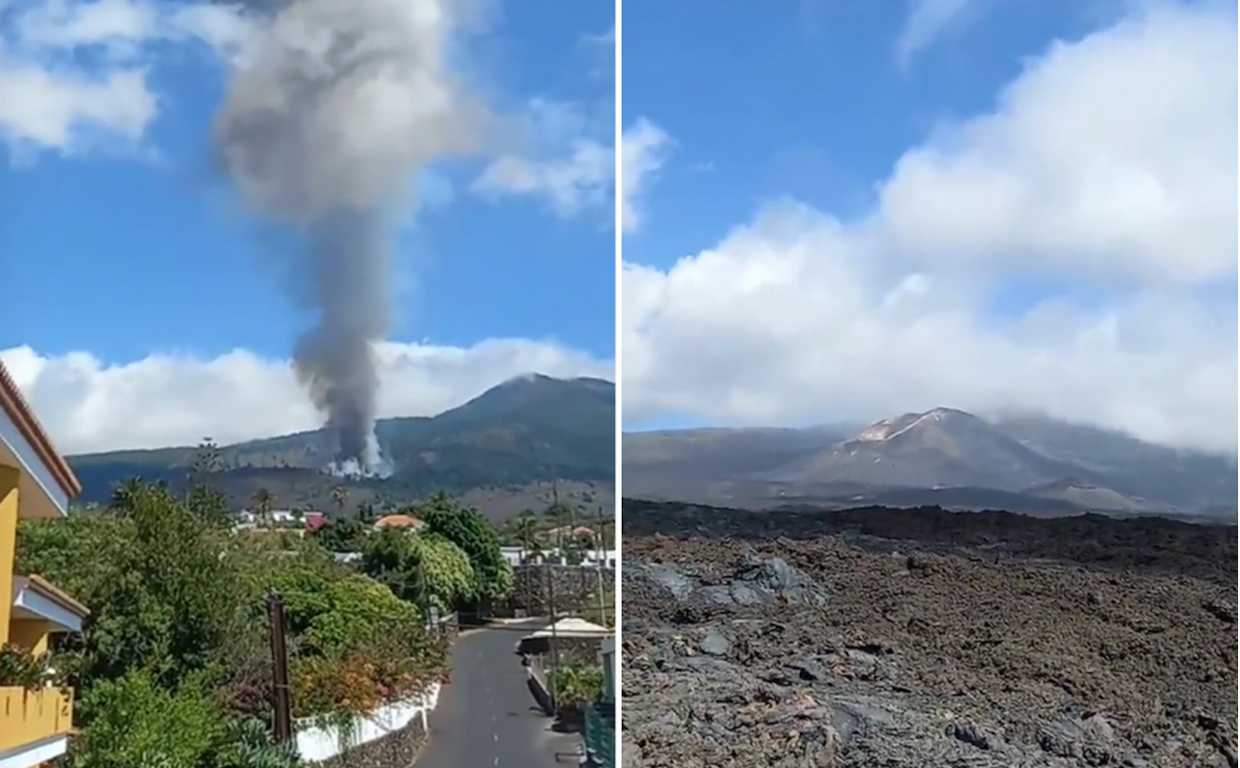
column 337, row 106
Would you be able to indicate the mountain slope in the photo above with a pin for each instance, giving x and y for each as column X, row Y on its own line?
column 530, row 430
column 1131, row 467
column 725, row 451
column 942, row 448
column 944, row 456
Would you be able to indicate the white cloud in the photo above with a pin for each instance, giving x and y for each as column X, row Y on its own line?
column 600, row 54
column 643, row 150
column 74, row 74
column 566, row 158
column 565, row 155
column 926, row 21
column 1115, row 156
column 581, row 179
column 224, row 29
column 1126, row 193
column 41, row 109
column 166, row 400
column 69, row 25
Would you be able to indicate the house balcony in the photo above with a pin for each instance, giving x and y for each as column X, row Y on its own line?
column 35, row 483
column 34, row 725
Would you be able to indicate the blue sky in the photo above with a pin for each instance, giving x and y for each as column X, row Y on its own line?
column 807, row 99
column 848, row 211
column 140, row 257
column 150, row 310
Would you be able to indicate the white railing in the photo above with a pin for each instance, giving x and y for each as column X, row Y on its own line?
column 591, row 558
column 319, row 742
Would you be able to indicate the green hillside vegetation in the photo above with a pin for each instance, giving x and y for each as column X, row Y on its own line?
column 522, row 433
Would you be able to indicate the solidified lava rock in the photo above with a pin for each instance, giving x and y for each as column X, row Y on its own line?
column 830, row 647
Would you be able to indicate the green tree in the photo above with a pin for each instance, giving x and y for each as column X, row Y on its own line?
column 468, row 529
column 573, row 552
column 208, row 504
column 536, row 550
column 260, row 501
column 125, row 494
column 526, row 530
column 338, row 613
column 203, row 497
column 342, row 535
column 163, row 597
column 426, row 569
column 340, row 497
column 206, row 463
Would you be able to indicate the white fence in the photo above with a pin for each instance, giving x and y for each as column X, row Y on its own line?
column 591, row 558
column 316, row 743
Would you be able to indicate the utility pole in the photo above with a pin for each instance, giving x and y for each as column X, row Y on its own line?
column 555, row 643
column 282, row 721
column 525, row 540
column 599, row 563
column 558, row 517
column 555, row 638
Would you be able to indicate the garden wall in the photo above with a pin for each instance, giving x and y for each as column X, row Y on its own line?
column 576, row 588
column 389, row 738
column 577, row 651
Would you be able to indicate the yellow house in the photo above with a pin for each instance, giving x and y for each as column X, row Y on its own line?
column 35, row 482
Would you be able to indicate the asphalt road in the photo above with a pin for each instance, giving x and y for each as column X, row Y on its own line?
column 486, row 716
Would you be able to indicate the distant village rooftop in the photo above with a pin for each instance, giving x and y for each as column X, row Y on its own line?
column 398, row 521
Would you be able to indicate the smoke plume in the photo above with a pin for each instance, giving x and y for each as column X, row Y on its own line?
column 334, row 110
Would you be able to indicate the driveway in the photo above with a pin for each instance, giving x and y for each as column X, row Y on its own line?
column 486, row 715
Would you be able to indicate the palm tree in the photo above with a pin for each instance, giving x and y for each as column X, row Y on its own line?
column 340, row 497
column 534, row 551
column 526, row 530
column 125, row 494
column 558, row 511
column 441, row 500
column 261, row 501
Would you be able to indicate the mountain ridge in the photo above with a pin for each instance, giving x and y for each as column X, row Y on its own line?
column 529, row 431
column 945, row 456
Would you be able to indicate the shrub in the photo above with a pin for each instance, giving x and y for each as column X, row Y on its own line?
column 135, row 723
column 336, row 613
column 577, row 687
column 173, row 666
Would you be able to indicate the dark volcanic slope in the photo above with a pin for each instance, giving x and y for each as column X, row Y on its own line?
column 943, row 447
column 1036, row 465
column 524, row 432
column 928, row 638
